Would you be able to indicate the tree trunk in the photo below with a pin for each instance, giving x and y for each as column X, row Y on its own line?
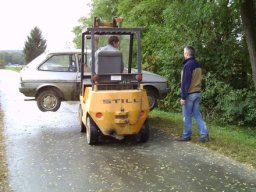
column 248, row 18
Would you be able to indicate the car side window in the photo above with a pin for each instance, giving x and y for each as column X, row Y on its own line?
column 60, row 63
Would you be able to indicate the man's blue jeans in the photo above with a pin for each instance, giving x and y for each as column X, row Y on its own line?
column 192, row 107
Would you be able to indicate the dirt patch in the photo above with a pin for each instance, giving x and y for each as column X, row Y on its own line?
column 3, row 166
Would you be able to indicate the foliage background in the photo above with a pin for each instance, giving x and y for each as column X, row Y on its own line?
column 213, row 27
column 11, row 57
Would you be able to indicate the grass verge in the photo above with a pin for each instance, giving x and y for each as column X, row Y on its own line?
column 14, row 68
column 236, row 142
column 3, row 167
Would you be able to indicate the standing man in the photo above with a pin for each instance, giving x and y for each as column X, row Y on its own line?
column 191, row 78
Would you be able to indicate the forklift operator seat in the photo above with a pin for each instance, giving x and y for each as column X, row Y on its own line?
column 109, row 62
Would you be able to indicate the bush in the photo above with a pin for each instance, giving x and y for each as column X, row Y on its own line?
column 238, row 106
column 228, row 105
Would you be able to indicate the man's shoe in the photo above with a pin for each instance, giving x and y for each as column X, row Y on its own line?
column 183, row 139
column 204, row 139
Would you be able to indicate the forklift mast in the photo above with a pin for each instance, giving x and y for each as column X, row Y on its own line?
column 111, row 28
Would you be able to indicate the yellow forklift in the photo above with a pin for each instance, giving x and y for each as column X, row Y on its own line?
column 115, row 104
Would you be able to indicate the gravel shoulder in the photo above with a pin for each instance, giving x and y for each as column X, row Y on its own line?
column 39, row 146
column 3, row 165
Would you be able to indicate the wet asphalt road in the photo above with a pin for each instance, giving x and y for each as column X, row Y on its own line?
column 46, row 153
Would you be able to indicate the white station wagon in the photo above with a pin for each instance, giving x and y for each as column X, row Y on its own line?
column 53, row 77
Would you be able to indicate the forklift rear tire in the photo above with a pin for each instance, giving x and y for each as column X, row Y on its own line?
column 92, row 133
column 80, row 115
column 144, row 132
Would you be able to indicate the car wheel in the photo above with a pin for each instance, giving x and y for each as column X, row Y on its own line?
column 80, row 115
column 144, row 132
column 152, row 98
column 91, row 131
column 48, row 100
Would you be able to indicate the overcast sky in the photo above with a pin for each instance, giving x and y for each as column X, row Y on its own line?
column 55, row 18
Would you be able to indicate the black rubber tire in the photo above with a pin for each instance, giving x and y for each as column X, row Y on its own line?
column 144, row 132
column 80, row 114
column 48, row 100
column 92, row 132
column 152, row 98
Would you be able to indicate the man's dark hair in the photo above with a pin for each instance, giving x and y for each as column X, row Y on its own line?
column 190, row 50
column 112, row 40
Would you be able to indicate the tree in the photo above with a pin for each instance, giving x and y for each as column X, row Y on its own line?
column 77, row 30
column 104, row 9
column 248, row 16
column 223, row 33
column 2, row 64
column 35, row 45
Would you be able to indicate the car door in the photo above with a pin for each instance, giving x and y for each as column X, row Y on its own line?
column 87, row 69
column 60, row 71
